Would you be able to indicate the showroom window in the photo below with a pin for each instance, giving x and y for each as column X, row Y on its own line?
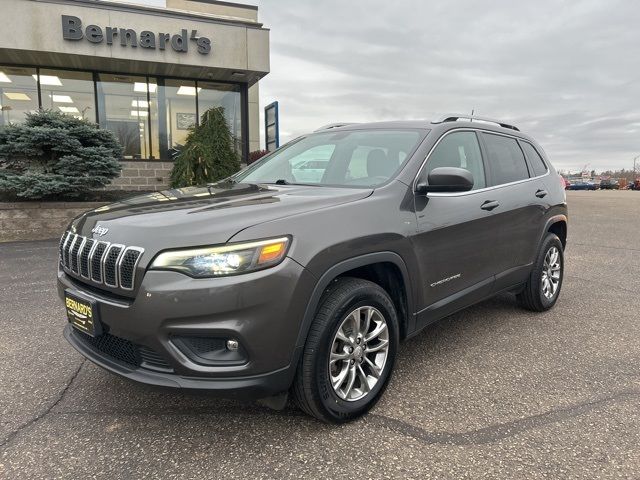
column 179, row 100
column 212, row 95
column 124, row 109
column 18, row 93
column 69, row 92
column 158, row 127
column 150, row 116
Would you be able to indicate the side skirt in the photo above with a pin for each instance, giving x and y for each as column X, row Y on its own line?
column 458, row 302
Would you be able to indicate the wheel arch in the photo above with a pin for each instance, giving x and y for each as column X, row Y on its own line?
column 362, row 267
column 558, row 225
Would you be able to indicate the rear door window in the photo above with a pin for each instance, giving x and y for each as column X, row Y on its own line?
column 505, row 158
column 535, row 160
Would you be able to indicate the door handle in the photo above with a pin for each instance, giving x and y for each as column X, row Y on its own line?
column 489, row 205
column 541, row 193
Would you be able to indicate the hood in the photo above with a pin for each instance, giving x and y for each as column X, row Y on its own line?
column 210, row 215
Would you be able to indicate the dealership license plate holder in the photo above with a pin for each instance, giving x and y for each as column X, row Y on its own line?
column 82, row 313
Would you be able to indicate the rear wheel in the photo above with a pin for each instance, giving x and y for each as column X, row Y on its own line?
column 350, row 352
column 545, row 280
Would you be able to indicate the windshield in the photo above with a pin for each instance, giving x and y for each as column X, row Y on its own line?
column 364, row 158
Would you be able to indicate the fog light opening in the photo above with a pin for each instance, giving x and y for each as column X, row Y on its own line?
column 232, row 345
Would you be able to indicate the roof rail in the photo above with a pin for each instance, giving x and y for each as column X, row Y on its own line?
column 334, row 125
column 454, row 117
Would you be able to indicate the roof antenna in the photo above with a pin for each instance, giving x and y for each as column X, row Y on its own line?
column 472, row 111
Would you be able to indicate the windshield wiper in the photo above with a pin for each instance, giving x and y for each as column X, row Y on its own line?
column 282, row 181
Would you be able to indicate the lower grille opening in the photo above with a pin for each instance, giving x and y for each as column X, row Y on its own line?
column 152, row 360
column 129, row 353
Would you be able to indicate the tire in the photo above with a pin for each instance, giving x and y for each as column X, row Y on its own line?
column 313, row 390
column 536, row 295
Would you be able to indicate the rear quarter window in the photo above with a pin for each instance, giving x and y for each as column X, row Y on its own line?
column 506, row 159
column 535, row 160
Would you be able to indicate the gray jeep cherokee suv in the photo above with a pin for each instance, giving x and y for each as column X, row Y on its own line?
column 305, row 271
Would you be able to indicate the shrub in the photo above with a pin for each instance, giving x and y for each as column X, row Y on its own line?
column 52, row 154
column 208, row 154
column 256, row 155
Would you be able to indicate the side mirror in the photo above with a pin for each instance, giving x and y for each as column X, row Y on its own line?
column 446, row 179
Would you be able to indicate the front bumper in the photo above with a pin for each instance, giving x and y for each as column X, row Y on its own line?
column 257, row 386
column 262, row 310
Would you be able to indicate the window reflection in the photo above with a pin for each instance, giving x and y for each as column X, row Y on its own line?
column 18, row 94
column 68, row 92
column 179, row 99
column 124, row 109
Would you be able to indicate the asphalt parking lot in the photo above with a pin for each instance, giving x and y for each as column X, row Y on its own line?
column 492, row 392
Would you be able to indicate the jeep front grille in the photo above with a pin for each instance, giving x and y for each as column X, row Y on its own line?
column 102, row 263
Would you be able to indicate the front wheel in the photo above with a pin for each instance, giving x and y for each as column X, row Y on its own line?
column 349, row 353
column 545, row 280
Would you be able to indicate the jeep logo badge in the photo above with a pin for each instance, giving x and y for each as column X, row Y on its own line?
column 100, row 231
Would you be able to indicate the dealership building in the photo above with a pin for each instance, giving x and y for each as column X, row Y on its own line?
column 145, row 69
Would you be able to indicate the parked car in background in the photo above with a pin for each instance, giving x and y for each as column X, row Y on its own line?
column 582, row 186
column 609, row 184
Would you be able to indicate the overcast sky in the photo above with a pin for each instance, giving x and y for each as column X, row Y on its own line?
column 566, row 72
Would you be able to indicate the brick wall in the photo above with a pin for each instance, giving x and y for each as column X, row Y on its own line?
column 142, row 176
column 38, row 220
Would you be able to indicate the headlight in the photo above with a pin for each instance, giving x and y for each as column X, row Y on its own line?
column 224, row 260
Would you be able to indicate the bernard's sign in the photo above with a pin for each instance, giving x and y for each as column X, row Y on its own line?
column 179, row 42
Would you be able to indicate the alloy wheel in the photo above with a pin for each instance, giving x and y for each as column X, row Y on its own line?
column 359, row 352
column 551, row 273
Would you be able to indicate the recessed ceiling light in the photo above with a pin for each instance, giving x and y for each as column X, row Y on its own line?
column 140, row 103
column 238, row 74
column 17, row 96
column 61, row 98
column 139, row 113
column 69, row 109
column 183, row 90
column 4, row 78
column 142, row 87
column 48, row 80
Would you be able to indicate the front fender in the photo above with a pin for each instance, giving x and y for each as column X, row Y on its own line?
column 344, row 266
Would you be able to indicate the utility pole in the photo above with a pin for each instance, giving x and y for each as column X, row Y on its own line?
column 635, row 175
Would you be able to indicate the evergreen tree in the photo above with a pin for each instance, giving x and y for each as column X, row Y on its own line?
column 52, row 155
column 208, row 154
